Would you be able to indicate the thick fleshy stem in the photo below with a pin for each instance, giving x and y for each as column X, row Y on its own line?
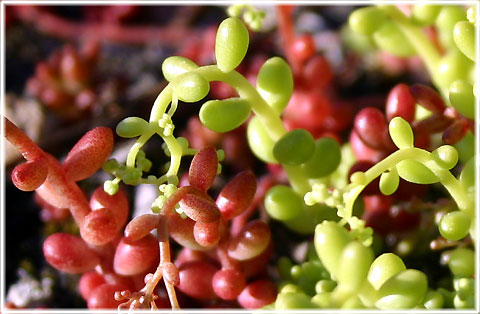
column 65, row 193
column 29, row 150
column 59, row 187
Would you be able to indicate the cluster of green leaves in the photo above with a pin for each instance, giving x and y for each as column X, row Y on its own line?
column 453, row 71
column 343, row 273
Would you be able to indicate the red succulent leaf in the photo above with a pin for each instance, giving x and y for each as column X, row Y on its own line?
column 141, row 226
column 237, row 195
column 89, row 154
column 199, row 208
column 203, row 168
column 30, row 175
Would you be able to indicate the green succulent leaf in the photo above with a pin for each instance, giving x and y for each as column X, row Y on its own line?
column 295, row 147
column 131, row 127
column 275, row 83
column 403, row 291
column 231, row 44
column 224, row 115
column 391, row 39
column 401, row 132
column 174, row 66
column 190, row 87
column 415, row 172
column 389, row 182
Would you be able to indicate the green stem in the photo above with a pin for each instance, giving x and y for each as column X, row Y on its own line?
column 453, row 186
column 175, row 154
column 161, row 103
column 297, row 179
column 447, row 179
column 132, row 154
column 393, row 159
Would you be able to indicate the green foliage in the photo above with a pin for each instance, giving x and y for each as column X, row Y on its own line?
column 275, row 83
column 467, row 176
column 389, row 181
column 325, row 158
column 416, row 172
column 190, row 87
column 448, row 16
column 132, row 127
column 224, row 115
column 383, row 268
column 454, row 225
column 462, row 262
column 425, row 13
column 433, row 300
column 388, row 37
column 283, row 203
column 401, row 132
column 293, row 300
column 452, row 67
column 175, row 66
column 231, row 44
column 295, row 147
column 446, row 156
column 367, row 20
column 357, row 254
column 330, row 241
column 404, row 290
column 462, row 98
column 464, row 37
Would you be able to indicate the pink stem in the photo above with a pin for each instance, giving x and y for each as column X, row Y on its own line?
column 57, row 26
column 22, row 142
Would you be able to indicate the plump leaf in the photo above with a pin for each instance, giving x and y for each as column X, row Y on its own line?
column 415, row 172
column 231, row 44
column 383, row 268
column 275, row 83
column 295, row 147
column 131, row 127
column 174, row 66
column 224, row 115
column 401, row 132
column 89, row 154
column 190, row 87
column 403, row 291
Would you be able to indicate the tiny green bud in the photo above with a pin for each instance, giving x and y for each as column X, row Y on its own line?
column 389, row 182
column 358, row 178
column 220, row 154
column 110, row 187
